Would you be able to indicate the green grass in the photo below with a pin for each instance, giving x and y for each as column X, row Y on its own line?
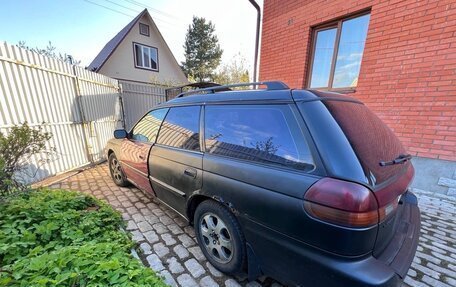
column 62, row 238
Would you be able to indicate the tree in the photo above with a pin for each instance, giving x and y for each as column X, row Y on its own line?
column 50, row 51
column 234, row 72
column 202, row 50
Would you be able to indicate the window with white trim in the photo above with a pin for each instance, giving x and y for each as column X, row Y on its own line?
column 146, row 57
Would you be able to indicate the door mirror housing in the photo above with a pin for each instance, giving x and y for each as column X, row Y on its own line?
column 120, row 134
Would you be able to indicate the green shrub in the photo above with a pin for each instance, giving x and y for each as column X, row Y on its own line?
column 61, row 238
column 16, row 150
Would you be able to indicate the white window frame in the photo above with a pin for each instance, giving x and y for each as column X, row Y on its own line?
column 149, row 49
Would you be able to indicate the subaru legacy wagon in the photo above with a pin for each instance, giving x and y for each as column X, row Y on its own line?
column 307, row 187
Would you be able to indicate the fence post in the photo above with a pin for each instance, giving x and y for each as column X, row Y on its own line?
column 85, row 137
column 121, row 104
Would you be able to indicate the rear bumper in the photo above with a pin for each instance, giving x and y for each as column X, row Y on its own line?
column 296, row 263
column 399, row 253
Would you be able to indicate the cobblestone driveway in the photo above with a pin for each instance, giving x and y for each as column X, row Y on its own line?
column 170, row 247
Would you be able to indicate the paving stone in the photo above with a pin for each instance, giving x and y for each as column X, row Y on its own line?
column 166, row 220
column 194, row 267
column 145, row 211
column 144, row 226
column 151, row 236
column 152, row 219
column 190, row 231
column 186, row 240
column 155, row 262
column 137, row 236
column 186, row 280
column 132, row 210
column 411, row 282
column 181, row 222
column 160, row 228
column 168, row 238
column 145, row 247
column 175, row 229
column 160, row 249
column 232, row 283
column 197, row 253
column 169, row 280
column 181, row 251
column 137, row 217
column 214, row 271
column 208, row 282
column 434, row 283
column 131, row 225
column 157, row 211
column 140, row 205
column 174, row 266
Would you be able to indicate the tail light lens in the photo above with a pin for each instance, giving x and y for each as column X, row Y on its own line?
column 385, row 211
column 342, row 203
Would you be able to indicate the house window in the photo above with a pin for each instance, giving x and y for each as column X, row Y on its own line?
column 146, row 57
column 144, row 29
column 337, row 53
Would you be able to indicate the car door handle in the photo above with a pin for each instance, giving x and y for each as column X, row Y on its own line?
column 190, row 172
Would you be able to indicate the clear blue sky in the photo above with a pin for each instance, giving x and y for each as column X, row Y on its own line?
column 81, row 29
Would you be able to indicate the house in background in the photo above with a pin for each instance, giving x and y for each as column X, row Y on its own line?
column 398, row 57
column 138, row 53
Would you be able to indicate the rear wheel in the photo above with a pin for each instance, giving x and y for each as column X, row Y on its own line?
column 220, row 237
column 117, row 173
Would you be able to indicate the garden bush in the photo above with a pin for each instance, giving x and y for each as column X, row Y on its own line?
column 16, row 150
column 62, row 238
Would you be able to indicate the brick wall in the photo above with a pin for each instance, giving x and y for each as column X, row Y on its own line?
column 408, row 70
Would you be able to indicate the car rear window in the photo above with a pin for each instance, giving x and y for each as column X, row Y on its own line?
column 370, row 138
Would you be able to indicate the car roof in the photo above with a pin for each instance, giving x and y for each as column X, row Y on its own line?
column 237, row 96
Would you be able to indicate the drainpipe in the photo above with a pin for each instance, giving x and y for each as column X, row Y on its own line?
column 257, row 39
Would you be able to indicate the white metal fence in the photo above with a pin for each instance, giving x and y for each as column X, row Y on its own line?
column 80, row 108
column 138, row 99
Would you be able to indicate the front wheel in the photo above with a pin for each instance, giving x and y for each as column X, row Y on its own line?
column 220, row 237
column 117, row 173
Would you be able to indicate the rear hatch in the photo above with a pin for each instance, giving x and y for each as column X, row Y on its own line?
column 373, row 142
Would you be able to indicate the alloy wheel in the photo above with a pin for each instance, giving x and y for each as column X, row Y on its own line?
column 216, row 238
column 115, row 170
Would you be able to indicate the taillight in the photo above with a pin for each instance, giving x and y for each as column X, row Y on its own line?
column 342, row 203
column 385, row 211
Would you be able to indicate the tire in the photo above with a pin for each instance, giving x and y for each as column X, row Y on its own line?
column 220, row 237
column 116, row 171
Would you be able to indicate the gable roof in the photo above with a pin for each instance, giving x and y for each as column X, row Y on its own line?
column 110, row 47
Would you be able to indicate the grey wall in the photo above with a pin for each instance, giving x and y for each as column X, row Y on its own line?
column 435, row 175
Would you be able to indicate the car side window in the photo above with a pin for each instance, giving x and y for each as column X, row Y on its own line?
column 180, row 128
column 146, row 129
column 262, row 133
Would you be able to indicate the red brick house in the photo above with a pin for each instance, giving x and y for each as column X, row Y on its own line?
column 397, row 56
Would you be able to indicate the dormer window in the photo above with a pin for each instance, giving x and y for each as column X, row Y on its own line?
column 146, row 57
column 144, row 29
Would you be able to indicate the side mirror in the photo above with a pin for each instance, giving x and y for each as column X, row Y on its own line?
column 120, row 134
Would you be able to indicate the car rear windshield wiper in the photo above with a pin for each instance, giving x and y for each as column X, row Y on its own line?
column 400, row 159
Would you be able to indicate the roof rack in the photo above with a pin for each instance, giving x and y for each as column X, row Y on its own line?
column 271, row 85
